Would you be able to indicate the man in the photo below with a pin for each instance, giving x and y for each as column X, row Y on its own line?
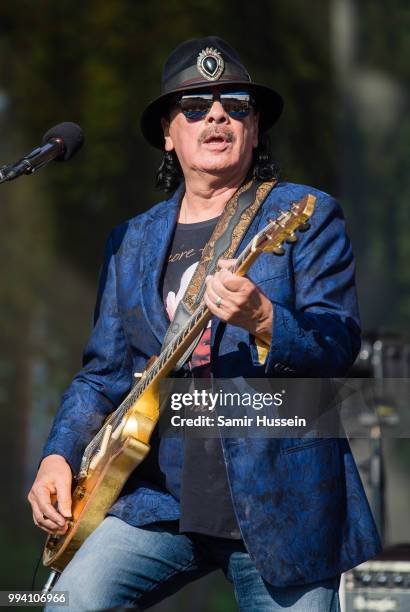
column 282, row 517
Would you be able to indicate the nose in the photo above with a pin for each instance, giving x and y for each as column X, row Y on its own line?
column 217, row 113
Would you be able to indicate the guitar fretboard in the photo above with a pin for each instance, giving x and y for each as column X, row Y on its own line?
column 273, row 234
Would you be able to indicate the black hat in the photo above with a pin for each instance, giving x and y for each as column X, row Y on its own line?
column 200, row 63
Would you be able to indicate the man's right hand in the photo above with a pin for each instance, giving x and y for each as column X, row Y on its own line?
column 53, row 481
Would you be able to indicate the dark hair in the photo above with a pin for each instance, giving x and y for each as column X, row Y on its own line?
column 263, row 166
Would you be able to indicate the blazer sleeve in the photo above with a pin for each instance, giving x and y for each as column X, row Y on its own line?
column 319, row 335
column 104, row 379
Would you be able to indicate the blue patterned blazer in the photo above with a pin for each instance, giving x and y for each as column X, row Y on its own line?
column 300, row 504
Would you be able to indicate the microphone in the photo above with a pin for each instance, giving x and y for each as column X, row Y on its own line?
column 60, row 143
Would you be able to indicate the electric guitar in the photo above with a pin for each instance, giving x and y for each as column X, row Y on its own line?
column 123, row 441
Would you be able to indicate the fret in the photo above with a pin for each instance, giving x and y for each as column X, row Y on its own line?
column 270, row 240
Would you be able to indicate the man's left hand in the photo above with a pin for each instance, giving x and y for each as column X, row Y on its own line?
column 238, row 301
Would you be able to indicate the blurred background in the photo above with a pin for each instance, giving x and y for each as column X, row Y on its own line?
column 343, row 69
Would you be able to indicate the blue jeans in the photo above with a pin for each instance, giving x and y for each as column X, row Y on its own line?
column 120, row 564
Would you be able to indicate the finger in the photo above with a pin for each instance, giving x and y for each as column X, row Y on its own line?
column 42, row 522
column 225, row 263
column 64, row 497
column 218, row 289
column 51, row 528
column 234, row 282
column 216, row 310
column 45, row 506
column 213, row 294
column 58, row 531
column 230, row 302
column 49, row 531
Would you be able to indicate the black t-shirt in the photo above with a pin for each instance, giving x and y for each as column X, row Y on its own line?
column 205, row 500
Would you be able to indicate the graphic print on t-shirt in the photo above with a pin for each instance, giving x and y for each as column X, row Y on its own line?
column 201, row 355
column 172, row 299
column 205, row 501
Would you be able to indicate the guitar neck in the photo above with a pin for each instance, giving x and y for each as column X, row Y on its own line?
column 171, row 354
column 270, row 239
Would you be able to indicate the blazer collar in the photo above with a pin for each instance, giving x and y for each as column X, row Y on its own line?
column 158, row 237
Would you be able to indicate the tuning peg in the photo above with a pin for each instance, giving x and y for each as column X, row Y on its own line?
column 278, row 250
column 304, row 227
column 291, row 238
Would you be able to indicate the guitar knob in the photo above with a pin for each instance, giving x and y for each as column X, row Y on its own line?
column 304, row 227
column 278, row 251
column 52, row 541
column 81, row 493
column 292, row 238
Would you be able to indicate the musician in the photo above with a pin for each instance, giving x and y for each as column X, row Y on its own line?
column 282, row 517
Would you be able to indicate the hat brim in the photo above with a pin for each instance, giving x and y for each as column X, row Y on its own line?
column 269, row 106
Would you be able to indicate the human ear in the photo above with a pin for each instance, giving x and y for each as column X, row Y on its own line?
column 169, row 145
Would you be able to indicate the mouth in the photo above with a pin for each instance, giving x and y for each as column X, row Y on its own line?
column 217, row 142
column 216, row 138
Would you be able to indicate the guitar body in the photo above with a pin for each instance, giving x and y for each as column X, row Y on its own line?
column 123, row 441
column 94, row 494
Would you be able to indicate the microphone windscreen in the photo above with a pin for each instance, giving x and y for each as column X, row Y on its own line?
column 72, row 136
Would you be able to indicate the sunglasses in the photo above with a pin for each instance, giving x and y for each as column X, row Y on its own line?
column 196, row 106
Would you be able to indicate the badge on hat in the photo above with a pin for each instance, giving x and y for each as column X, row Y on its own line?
column 210, row 64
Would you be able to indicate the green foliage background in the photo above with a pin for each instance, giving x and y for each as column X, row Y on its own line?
column 346, row 130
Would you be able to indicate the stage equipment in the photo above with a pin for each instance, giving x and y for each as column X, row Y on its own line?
column 379, row 585
column 384, row 357
column 60, row 143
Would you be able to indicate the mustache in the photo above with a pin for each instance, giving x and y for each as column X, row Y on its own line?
column 214, row 132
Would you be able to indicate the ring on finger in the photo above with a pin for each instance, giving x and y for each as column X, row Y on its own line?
column 218, row 301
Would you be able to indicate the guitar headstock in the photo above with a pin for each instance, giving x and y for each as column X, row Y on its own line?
column 285, row 226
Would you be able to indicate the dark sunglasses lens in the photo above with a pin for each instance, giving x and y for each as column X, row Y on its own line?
column 236, row 105
column 196, row 106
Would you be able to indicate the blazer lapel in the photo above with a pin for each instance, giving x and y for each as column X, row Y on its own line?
column 159, row 235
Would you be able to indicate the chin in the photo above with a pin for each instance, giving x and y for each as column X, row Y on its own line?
column 217, row 170
column 218, row 164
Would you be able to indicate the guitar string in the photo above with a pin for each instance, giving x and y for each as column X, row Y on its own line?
column 136, row 392
column 152, row 372
column 117, row 415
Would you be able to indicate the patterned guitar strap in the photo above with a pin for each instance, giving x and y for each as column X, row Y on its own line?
column 226, row 237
